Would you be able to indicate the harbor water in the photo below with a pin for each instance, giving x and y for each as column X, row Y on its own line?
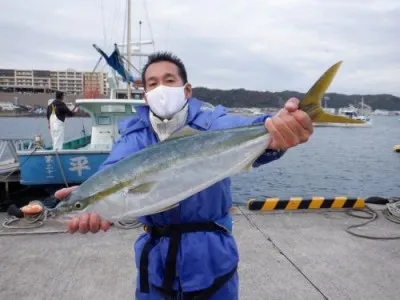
column 355, row 162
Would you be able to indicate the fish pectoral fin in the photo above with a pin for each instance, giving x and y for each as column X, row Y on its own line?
column 145, row 187
column 168, row 208
column 248, row 167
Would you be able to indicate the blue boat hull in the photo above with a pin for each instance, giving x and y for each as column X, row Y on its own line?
column 48, row 168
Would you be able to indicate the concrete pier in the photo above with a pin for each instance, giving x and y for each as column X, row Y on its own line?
column 284, row 255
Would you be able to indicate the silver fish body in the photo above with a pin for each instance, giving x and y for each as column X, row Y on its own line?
column 161, row 175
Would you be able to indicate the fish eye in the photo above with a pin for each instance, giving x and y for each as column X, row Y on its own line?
column 78, row 205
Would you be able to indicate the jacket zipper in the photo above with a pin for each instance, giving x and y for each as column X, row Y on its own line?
column 177, row 218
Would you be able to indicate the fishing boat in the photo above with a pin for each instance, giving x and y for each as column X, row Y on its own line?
column 363, row 114
column 349, row 112
column 365, row 122
column 396, row 148
column 82, row 156
column 354, row 113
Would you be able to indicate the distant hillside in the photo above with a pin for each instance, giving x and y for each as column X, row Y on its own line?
column 245, row 98
column 234, row 98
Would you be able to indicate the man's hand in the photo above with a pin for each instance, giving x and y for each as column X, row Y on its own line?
column 289, row 127
column 86, row 222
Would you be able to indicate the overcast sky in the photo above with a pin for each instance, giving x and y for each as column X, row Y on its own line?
column 260, row 45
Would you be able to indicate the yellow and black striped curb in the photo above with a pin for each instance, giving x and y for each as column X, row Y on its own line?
column 295, row 203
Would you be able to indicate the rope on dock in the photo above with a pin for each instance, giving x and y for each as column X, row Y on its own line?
column 131, row 224
column 391, row 212
column 39, row 219
column 353, row 206
column 33, row 221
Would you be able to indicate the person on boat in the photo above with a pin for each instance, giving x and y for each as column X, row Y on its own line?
column 198, row 255
column 57, row 110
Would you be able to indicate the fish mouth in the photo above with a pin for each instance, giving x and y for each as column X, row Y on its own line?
column 61, row 215
column 61, row 210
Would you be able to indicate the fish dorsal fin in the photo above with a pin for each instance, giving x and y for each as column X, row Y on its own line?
column 183, row 132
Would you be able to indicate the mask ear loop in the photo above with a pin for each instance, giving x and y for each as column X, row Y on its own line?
column 184, row 86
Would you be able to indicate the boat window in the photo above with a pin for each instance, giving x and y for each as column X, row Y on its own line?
column 104, row 120
column 113, row 108
column 136, row 96
column 123, row 95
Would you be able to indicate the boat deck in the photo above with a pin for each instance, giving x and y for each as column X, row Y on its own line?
column 9, row 165
column 284, row 255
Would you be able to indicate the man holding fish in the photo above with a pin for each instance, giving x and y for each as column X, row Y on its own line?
column 196, row 257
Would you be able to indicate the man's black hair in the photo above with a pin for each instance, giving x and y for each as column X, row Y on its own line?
column 59, row 95
column 165, row 56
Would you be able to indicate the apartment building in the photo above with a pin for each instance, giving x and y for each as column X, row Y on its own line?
column 69, row 81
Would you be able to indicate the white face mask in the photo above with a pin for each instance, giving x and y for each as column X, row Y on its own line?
column 165, row 101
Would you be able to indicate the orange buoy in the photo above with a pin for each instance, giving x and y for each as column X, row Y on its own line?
column 33, row 208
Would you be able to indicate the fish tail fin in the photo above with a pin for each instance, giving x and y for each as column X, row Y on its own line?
column 311, row 103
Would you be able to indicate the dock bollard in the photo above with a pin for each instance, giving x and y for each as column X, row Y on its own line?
column 295, row 203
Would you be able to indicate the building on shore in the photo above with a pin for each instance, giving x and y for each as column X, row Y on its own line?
column 45, row 81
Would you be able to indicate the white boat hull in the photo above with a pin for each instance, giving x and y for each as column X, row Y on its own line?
column 357, row 125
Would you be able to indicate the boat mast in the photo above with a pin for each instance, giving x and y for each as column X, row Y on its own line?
column 140, row 44
column 134, row 48
column 128, row 45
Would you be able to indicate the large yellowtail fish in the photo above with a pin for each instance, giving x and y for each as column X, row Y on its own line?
column 160, row 176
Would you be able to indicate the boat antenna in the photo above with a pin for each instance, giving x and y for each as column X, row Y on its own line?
column 148, row 22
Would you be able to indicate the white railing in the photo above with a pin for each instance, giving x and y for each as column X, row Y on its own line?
column 10, row 146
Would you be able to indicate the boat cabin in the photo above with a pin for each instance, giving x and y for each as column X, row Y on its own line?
column 105, row 115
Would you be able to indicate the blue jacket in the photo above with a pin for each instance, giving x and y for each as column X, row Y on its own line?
column 203, row 255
